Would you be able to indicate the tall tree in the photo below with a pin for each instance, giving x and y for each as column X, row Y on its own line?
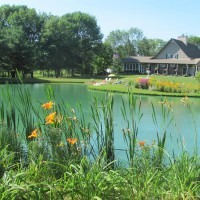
column 87, row 40
column 125, row 43
column 150, row 47
column 51, row 45
column 194, row 40
column 103, row 60
column 71, row 42
column 20, row 28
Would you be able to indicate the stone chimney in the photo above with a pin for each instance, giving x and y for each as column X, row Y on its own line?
column 184, row 39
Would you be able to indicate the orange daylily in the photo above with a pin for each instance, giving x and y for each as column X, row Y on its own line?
column 72, row 140
column 33, row 134
column 48, row 105
column 50, row 119
column 141, row 143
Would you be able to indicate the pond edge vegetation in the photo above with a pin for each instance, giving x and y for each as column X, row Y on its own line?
column 58, row 154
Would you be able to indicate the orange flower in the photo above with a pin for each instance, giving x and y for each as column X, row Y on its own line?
column 50, row 119
column 72, row 140
column 48, row 105
column 141, row 143
column 33, row 134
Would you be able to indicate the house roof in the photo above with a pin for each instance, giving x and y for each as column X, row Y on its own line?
column 149, row 60
column 191, row 50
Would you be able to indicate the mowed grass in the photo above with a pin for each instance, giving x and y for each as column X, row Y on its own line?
column 128, row 85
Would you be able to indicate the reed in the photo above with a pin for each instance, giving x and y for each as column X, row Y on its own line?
column 62, row 155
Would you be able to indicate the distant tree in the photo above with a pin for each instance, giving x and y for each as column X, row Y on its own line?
column 71, row 42
column 150, row 47
column 20, row 30
column 125, row 43
column 103, row 60
column 53, row 45
column 87, row 40
column 194, row 40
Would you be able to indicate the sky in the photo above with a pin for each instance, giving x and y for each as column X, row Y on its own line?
column 163, row 19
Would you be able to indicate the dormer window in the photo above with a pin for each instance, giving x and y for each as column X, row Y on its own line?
column 171, row 56
column 176, row 56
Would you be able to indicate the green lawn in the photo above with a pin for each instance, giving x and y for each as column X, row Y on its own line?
column 40, row 79
column 163, row 78
column 127, row 83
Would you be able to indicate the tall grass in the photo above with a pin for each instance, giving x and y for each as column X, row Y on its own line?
column 72, row 158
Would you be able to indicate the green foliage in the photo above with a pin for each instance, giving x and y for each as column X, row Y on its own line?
column 125, row 43
column 49, row 166
column 30, row 40
column 150, row 47
column 194, row 40
column 197, row 76
column 20, row 31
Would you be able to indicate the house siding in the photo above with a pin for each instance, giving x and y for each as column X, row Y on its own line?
column 172, row 48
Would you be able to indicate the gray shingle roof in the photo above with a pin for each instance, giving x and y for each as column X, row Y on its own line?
column 191, row 50
column 148, row 60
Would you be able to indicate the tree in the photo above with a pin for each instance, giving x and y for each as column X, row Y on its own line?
column 103, row 60
column 194, row 40
column 52, row 42
column 20, row 29
column 87, row 40
column 71, row 42
column 150, row 47
column 125, row 43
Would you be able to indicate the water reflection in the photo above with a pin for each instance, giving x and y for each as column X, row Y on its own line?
column 182, row 126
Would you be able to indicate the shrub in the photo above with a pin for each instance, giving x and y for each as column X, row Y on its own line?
column 143, row 83
column 197, row 76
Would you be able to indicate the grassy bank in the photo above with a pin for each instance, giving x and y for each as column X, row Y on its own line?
column 124, row 89
column 44, row 80
column 128, row 85
column 59, row 155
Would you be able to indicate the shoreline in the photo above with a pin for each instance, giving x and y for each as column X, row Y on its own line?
column 120, row 88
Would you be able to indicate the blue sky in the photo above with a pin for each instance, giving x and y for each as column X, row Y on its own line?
column 162, row 19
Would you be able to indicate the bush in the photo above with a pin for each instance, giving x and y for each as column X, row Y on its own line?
column 197, row 76
column 142, row 83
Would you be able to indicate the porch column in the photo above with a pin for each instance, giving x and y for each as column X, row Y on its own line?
column 156, row 69
column 124, row 66
column 176, row 69
column 196, row 70
column 167, row 69
column 139, row 68
column 187, row 70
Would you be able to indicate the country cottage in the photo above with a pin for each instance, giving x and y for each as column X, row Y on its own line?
column 177, row 57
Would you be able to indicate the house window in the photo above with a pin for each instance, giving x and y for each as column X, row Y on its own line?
column 169, row 56
column 176, row 56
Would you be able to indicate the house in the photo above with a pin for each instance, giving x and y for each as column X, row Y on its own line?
column 177, row 57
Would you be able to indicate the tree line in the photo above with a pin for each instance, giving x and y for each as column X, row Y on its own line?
column 38, row 41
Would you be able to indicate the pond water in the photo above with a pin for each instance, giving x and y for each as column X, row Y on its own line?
column 182, row 126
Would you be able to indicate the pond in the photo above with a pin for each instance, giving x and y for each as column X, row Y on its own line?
column 182, row 125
